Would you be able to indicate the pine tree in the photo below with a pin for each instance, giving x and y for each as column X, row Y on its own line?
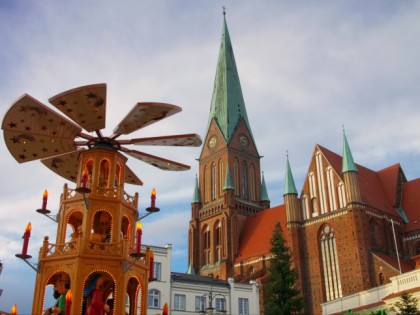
column 407, row 305
column 282, row 297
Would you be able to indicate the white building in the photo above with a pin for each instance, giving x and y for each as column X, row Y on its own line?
column 187, row 293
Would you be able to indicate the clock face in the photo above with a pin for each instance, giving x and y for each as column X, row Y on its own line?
column 243, row 140
column 212, row 142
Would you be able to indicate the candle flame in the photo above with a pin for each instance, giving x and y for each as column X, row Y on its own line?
column 165, row 308
column 45, row 195
column 85, row 171
column 28, row 227
column 153, row 192
column 139, row 226
column 69, row 296
column 14, row 310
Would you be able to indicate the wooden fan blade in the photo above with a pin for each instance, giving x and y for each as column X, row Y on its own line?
column 130, row 177
column 145, row 114
column 85, row 105
column 164, row 164
column 65, row 165
column 187, row 140
column 33, row 131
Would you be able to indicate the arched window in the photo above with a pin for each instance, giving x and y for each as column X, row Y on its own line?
column 252, row 188
column 218, row 235
column 206, row 245
column 213, row 181
column 330, row 265
column 244, row 180
column 236, row 176
column 206, row 176
column 221, row 177
column 154, row 298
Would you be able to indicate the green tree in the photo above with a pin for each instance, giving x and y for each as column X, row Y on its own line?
column 282, row 297
column 407, row 305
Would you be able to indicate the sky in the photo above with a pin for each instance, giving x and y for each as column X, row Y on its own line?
column 307, row 68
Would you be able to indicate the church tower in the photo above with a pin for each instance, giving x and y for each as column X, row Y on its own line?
column 229, row 187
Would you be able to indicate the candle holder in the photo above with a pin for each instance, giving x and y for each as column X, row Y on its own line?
column 152, row 209
column 136, row 255
column 23, row 256
column 43, row 211
column 83, row 190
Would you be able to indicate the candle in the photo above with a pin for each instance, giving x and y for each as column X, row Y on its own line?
column 139, row 232
column 14, row 310
column 153, row 197
column 84, row 177
column 68, row 302
column 152, row 260
column 44, row 199
column 25, row 237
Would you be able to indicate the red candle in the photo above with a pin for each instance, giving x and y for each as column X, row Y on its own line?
column 153, row 198
column 139, row 232
column 165, row 309
column 25, row 237
column 68, row 302
column 152, row 260
column 14, row 310
column 44, row 199
column 84, row 177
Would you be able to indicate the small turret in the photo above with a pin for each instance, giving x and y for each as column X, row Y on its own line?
column 350, row 174
column 264, row 200
column 291, row 201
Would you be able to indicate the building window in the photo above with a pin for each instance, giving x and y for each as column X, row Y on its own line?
column 157, row 270
column 220, row 304
column 244, row 180
column 206, row 245
column 179, row 302
column 243, row 306
column 221, row 178
column 252, row 187
column 219, row 241
column 236, row 176
column 154, row 298
column 213, row 181
column 206, row 176
column 332, row 281
column 200, row 303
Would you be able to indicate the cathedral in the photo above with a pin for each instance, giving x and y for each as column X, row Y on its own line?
column 348, row 229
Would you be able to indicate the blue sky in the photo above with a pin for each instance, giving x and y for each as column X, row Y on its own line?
column 306, row 68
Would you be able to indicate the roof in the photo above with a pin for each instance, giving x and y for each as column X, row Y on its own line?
column 227, row 104
column 410, row 204
column 190, row 278
column 348, row 162
column 258, row 231
column 264, row 193
column 406, row 266
column 289, row 182
column 196, row 195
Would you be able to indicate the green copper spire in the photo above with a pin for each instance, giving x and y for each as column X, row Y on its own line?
column 227, row 103
column 289, row 183
column 190, row 270
column 264, row 194
column 196, row 196
column 228, row 182
column 348, row 163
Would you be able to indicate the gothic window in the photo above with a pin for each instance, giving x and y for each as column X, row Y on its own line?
column 213, row 181
column 252, row 183
column 218, row 235
column 341, row 195
column 331, row 188
column 221, row 177
column 236, row 176
column 330, row 265
column 206, row 176
column 206, row 245
column 320, row 178
column 244, row 180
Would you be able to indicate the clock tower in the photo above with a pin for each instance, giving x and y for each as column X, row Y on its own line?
column 228, row 188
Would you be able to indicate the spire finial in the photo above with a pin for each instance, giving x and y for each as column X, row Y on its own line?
column 287, row 154
column 344, row 130
column 224, row 10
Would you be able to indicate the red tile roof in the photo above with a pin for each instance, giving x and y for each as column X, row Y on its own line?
column 406, row 266
column 411, row 204
column 258, row 231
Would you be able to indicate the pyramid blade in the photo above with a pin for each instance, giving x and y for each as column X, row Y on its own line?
column 163, row 164
column 186, row 140
column 145, row 114
column 33, row 131
column 65, row 165
column 85, row 105
column 130, row 177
